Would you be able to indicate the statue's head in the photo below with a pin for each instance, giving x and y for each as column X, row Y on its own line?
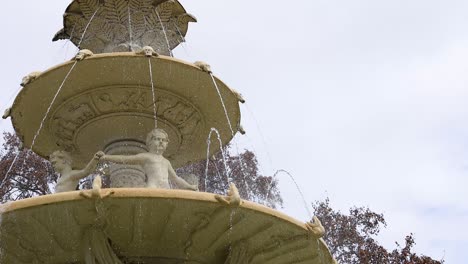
column 157, row 140
column 149, row 51
column 60, row 159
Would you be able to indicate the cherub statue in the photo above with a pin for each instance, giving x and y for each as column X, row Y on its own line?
column 68, row 180
column 158, row 169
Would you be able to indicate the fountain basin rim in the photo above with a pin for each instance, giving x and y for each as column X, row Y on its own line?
column 122, row 193
column 166, row 66
column 128, row 196
column 123, row 54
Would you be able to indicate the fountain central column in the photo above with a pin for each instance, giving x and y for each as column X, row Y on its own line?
column 126, row 175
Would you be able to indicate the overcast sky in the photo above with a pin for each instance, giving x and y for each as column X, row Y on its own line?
column 362, row 101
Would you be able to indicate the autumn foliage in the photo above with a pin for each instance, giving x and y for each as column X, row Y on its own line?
column 23, row 173
column 352, row 238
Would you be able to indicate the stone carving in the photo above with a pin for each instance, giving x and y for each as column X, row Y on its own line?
column 96, row 192
column 67, row 121
column 232, row 198
column 126, row 175
column 120, row 25
column 6, row 113
column 158, row 169
column 315, row 228
column 95, row 243
column 29, row 78
column 96, row 247
column 68, row 180
column 147, row 51
column 203, row 66
column 97, row 103
column 83, row 54
column 238, row 254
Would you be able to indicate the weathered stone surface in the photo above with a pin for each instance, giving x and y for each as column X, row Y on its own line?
column 125, row 25
column 152, row 226
column 108, row 97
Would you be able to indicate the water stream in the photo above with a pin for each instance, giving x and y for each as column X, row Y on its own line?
column 130, row 33
column 86, row 28
column 153, row 93
column 242, row 168
column 260, row 133
column 48, row 109
column 182, row 43
column 208, row 141
column 41, row 125
column 165, row 35
column 297, row 187
column 222, row 103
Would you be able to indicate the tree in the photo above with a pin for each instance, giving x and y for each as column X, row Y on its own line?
column 31, row 175
column 23, row 173
column 351, row 238
column 240, row 169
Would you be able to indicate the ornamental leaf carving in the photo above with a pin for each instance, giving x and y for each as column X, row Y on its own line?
column 88, row 7
column 116, row 11
column 125, row 25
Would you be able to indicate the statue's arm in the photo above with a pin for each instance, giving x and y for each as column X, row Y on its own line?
column 79, row 174
column 125, row 159
column 179, row 181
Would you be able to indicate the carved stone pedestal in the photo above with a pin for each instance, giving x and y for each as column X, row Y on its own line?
column 125, row 175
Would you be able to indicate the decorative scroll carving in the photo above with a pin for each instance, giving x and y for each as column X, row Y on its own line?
column 96, row 103
column 69, row 119
column 125, row 25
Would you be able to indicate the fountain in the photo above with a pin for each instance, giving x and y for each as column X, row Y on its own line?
column 122, row 84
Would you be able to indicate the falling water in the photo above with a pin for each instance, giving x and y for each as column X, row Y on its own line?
column 86, row 28
column 68, row 41
column 51, row 103
column 222, row 102
column 261, row 134
column 208, row 141
column 297, row 187
column 130, row 33
column 165, row 35
column 232, row 132
column 12, row 95
column 40, row 125
column 153, row 93
column 182, row 43
column 231, row 225
column 180, row 33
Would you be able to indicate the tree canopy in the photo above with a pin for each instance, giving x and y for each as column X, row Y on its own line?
column 352, row 238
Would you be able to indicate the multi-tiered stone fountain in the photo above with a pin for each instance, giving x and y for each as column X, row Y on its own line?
column 123, row 83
